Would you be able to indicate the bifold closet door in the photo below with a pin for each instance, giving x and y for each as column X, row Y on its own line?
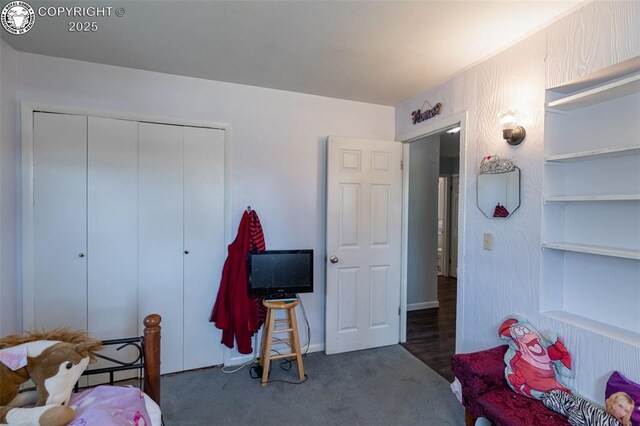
column 160, row 235
column 204, row 244
column 128, row 219
column 112, row 229
column 59, row 221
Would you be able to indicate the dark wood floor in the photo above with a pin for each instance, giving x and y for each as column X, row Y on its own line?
column 431, row 333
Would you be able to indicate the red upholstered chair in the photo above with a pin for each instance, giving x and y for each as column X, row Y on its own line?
column 485, row 392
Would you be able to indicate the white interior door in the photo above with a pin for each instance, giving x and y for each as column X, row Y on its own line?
column 364, row 194
column 204, row 244
column 112, row 211
column 455, row 184
column 160, row 237
column 59, row 221
column 112, row 227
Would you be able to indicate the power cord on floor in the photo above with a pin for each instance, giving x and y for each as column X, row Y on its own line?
column 306, row 320
column 256, row 373
column 241, row 366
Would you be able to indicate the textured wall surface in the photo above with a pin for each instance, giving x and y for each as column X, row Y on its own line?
column 9, row 315
column 602, row 34
column 507, row 280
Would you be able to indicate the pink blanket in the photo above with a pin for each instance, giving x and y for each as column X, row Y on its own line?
column 109, row 406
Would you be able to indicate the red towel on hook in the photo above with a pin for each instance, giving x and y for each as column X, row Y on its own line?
column 234, row 312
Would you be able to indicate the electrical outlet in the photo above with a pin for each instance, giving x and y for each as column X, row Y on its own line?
column 487, row 241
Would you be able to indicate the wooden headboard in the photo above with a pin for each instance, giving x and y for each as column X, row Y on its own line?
column 148, row 346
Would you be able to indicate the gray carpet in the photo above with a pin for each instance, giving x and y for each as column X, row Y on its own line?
column 383, row 386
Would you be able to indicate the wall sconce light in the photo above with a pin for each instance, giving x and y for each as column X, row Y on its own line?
column 511, row 132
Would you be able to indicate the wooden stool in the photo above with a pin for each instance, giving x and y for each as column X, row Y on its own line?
column 270, row 329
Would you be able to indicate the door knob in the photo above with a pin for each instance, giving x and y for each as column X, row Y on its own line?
column 186, row 252
column 81, row 254
column 333, row 259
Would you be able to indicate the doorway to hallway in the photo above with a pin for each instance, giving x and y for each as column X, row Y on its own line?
column 431, row 333
column 434, row 165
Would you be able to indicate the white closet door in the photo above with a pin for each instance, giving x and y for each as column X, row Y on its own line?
column 59, row 220
column 204, row 244
column 160, row 235
column 112, row 215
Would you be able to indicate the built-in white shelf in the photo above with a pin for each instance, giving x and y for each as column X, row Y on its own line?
column 591, row 249
column 610, row 152
column 622, row 87
column 591, row 203
column 601, row 328
column 579, row 198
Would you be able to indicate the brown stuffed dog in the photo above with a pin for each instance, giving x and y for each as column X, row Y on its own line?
column 55, row 361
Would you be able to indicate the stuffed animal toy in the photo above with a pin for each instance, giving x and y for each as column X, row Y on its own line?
column 534, row 364
column 54, row 361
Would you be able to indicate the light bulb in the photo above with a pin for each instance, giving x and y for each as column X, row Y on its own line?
column 511, row 132
column 508, row 120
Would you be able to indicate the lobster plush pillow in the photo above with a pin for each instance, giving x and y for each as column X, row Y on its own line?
column 534, row 363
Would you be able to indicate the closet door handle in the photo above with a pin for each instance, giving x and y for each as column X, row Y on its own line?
column 81, row 254
column 186, row 252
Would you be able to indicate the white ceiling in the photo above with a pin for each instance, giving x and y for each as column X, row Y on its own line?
column 376, row 51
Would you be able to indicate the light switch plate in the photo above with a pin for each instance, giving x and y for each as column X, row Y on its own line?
column 487, row 241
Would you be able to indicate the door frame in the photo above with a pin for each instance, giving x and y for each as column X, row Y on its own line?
column 431, row 128
column 451, row 178
column 26, row 182
column 446, row 224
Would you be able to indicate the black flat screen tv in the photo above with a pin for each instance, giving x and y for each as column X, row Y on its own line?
column 280, row 273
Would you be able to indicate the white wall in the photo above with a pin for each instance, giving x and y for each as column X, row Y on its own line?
column 278, row 145
column 10, row 318
column 507, row 280
column 422, row 277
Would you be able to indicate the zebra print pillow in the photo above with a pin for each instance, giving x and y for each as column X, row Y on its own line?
column 559, row 401
column 579, row 411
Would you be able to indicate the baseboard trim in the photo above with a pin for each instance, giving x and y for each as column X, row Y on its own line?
column 238, row 360
column 422, row 305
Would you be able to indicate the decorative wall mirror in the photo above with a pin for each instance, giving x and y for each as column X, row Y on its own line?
column 498, row 187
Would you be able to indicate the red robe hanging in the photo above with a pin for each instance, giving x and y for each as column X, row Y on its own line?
column 234, row 312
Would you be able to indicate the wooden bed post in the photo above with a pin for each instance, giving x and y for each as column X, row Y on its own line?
column 152, row 356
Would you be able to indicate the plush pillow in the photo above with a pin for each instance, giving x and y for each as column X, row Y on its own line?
column 534, row 363
column 110, row 406
column 579, row 411
column 618, row 384
column 558, row 401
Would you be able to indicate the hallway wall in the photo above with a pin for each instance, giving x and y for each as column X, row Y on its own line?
column 424, row 169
